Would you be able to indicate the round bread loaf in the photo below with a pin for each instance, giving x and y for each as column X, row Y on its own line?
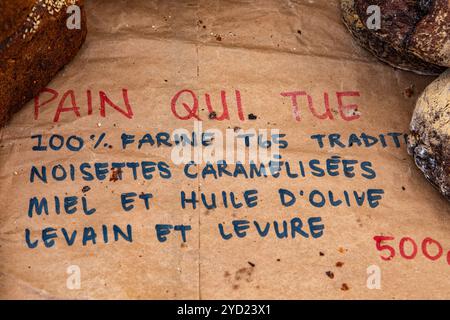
column 35, row 43
column 429, row 140
column 413, row 35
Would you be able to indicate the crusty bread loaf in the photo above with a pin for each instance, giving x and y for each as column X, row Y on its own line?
column 429, row 141
column 35, row 43
column 414, row 35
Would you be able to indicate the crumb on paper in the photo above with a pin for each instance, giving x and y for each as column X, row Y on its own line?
column 115, row 174
column 342, row 250
column 212, row 115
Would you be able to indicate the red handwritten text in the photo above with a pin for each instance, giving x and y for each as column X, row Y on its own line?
column 68, row 102
column 189, row 101
column 347, row 112
column 408, row 248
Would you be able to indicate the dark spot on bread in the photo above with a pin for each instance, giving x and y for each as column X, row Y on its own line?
column 409, row 92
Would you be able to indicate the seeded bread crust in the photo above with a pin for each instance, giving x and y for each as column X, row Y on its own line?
column 414, row 34
column 35, row 44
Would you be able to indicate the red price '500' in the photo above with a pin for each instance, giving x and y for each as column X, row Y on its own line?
column 408, row 248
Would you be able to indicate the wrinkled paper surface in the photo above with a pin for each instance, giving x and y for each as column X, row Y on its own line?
column 154, row 49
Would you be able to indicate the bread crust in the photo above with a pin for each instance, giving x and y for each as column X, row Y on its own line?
column 400, row 41
column 421, row 27
column 32, row 52
column 429, row 140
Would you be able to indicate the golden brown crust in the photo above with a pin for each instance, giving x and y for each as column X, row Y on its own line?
column 37, row 47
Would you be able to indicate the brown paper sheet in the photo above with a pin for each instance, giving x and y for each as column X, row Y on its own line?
column 154, row 49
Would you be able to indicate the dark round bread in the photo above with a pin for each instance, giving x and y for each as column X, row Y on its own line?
column 414, row 35
column 35, row 43
column 429, row 140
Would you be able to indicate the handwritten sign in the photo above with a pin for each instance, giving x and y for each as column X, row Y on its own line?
column 181, row 164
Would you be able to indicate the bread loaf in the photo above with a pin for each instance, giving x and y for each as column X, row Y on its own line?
column 429, row 140
column 35, row 43
column 413, row 35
